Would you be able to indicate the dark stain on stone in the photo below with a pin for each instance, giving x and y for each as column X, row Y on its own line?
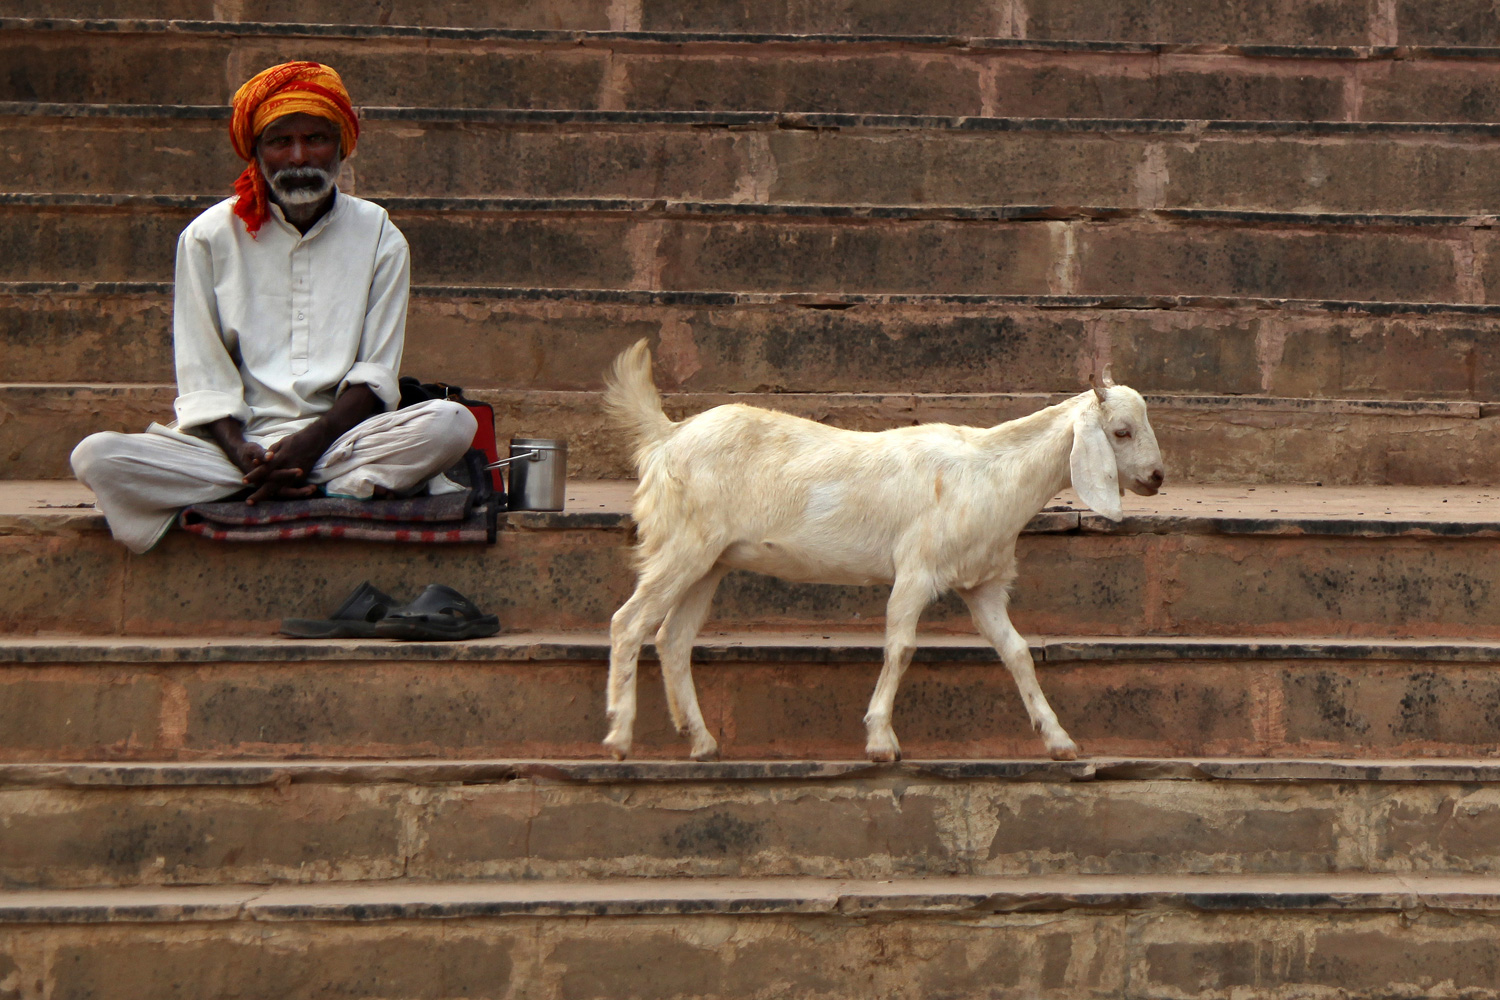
column 1192, row 968
column 1057, row 953
column 1419, row 707
column 1330, row 695
column 1327, row 587
column 718, row 834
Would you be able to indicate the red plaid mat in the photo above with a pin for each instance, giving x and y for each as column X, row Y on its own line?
column 469, row 516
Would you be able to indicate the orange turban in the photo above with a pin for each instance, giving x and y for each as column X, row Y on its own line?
column 275, row 93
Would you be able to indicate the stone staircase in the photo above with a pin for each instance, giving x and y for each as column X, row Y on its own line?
column 1276, row 220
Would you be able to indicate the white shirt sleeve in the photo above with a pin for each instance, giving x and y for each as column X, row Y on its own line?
column 208, row 382
column 384, row 335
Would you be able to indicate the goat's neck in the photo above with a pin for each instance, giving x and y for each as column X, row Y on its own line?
column 1041, row 445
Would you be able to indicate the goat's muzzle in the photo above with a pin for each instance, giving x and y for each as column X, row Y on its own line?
column 1149, row 486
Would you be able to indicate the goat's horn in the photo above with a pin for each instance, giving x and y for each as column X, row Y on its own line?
column 1098, row 389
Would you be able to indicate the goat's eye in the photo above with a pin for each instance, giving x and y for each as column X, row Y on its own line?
column 1123, row 432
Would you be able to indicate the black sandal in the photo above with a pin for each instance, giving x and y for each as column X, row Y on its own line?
column 438, row 613
column 355, row 618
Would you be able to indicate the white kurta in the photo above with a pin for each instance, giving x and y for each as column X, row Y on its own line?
column 269, row 331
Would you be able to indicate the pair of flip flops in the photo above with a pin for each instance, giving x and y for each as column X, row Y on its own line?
column 438, row 613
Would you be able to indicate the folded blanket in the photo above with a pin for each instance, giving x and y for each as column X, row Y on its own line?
column 469, row 516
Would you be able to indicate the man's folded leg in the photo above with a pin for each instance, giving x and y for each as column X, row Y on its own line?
column 398, row 450
column 141, row 481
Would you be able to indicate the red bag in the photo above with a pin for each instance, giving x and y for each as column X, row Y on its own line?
column 484, row 437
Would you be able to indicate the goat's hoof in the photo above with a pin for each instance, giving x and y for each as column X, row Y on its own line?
column 1064, row 751
column 710, row 752
column 884, row 754
column 618, row 749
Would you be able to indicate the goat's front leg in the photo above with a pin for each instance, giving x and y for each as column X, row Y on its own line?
column 674, row 647
column 625, row 639
column 990, row 605
column 910, row 594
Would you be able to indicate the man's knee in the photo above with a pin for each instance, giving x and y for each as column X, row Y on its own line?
column 94, row 454
column 452, row 426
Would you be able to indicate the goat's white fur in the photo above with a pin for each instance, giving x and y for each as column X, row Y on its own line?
column 927, row 509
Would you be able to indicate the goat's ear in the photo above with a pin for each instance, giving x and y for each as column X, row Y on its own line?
column 1095, row 475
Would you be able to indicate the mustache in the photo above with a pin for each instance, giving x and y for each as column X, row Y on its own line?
column 301, row 177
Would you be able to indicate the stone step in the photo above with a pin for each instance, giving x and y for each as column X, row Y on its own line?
column 1228, row 561
column 564, row 340
column 1189, row 937
column 841, row 249
column 1337, row 23
column 98, row 61
column 765, row 695
column 781, row 158
column 1205, row 439
column 98, row 825
column 1246, row 23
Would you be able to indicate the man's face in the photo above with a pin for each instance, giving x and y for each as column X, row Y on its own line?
column 299, row 156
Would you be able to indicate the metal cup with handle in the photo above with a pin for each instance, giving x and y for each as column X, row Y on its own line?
column 538, row 473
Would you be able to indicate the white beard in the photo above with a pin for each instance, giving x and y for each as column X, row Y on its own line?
column 300, row 195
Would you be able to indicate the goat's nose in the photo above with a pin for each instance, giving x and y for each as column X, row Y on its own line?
column 1158, row 477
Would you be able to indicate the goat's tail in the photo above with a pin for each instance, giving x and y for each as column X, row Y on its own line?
column 631, row 401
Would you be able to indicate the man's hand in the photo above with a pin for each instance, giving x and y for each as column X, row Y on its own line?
column 281, row 473
column 229, row 434
column 248, row 455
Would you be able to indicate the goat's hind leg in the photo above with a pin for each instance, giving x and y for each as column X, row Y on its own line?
column 674, row 647
column 657, row 592
column 990, row 606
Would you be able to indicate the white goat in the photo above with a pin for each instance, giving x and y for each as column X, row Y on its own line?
column 927, row 509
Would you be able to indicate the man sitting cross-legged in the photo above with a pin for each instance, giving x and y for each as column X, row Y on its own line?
column 288, row 322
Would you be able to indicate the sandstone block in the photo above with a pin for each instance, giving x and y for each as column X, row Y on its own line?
column 1455, row 22
column 1392, row 709
column 1450, row 90
column 422, row 964
column 422, row 711
column 1379, row 955
column 61, row 582
column 1105, row 86
column 86, row 338
column 302, row 833
column 100, row 245
column 576, row 15
column 41, row 424
column 876, row 17
column 1437, row 174
column 888, row 84
column 908, row 257
column 957, row 168
column 1411, row 266
column 1285, row 22
column 1422, row 826
column 50, row 714
column 548, row 251
column 1412, row 586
